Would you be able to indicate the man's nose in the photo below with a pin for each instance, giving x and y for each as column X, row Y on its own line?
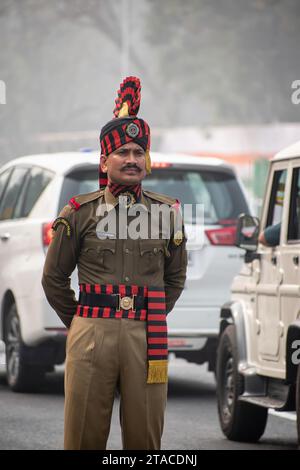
column 131, row 157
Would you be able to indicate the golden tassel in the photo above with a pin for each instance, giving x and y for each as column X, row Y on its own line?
column 157, row 372
column 123, row 111
column 148, row 162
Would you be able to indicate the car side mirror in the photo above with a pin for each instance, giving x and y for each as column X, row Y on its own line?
column 247, row 232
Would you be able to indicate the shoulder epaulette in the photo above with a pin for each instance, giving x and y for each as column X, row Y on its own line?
column 161, row 198
column 77, row 201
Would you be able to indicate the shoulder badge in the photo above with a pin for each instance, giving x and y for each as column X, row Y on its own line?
column 178, row 238
column 77, row 201
column 65, row 222
column 177, row 206
column 73, row 203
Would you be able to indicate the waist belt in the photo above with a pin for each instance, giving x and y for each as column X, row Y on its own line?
column 126, row 302
column 137, row 303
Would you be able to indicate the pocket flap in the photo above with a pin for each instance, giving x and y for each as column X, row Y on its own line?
column 151, row 246
column 107, row 245
column 99, row 245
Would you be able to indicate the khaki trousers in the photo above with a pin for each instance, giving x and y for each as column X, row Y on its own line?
column 103, row 355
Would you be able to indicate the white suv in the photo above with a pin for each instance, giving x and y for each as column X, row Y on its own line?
column 258, row 364
column 33, row 190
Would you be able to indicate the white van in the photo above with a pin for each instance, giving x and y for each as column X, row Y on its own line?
column 33, row 190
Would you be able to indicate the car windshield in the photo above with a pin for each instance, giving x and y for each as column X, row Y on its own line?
column 218, row 191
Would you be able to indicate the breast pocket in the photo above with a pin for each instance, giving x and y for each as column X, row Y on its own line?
column 102, row 253
column 152, row 253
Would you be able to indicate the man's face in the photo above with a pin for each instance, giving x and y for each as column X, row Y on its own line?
column 126, row 165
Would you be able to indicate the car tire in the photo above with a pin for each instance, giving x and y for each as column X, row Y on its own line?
column 20, row 376
column 298, row 404
column 240, row 421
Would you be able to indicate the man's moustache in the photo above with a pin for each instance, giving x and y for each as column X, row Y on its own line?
column 131, row 168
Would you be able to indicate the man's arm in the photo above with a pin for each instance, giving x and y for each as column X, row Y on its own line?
column 60, row 262
column 271, row 235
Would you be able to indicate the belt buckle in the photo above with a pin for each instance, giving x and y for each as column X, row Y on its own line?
column 126, row 303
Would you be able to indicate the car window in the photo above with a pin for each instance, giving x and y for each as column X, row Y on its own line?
column 11, row 193
column 294, row 207
column 37, row 181
column 78, row 182
column 3, row 180
column 219, row 191
column 275, row 209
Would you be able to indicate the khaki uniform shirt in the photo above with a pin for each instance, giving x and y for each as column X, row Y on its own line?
column 143, row 262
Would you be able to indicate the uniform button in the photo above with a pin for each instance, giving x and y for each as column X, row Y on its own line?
column 126, row 250
column 126, row 278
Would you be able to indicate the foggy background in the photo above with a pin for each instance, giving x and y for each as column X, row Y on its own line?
column 216, row 75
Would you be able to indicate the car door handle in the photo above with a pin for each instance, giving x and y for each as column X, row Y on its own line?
column 296, row 260
column 5, row 236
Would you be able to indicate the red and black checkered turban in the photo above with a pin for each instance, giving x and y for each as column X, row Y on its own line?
column 125, row 126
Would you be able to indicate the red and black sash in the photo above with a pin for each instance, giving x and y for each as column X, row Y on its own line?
column 118, row 189
column 154, row 314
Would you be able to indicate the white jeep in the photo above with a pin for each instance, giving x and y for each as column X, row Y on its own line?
column 259, row 344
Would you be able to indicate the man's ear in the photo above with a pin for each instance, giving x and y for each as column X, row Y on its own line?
column 103, row 163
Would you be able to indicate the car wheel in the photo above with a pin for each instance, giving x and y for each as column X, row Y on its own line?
column 298, row 404
column 21, row 377
column 240, row 421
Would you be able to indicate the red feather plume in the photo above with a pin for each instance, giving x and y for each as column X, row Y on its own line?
column 130, row 93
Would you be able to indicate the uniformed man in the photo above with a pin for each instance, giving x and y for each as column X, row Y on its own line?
column 117, row 337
